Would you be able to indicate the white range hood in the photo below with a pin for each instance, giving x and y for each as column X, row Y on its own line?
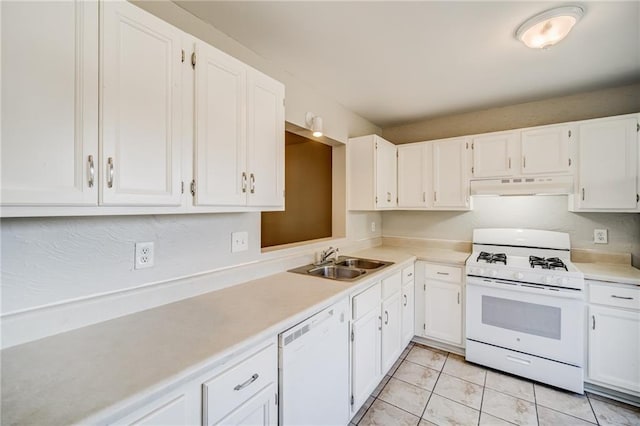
column 546, row 185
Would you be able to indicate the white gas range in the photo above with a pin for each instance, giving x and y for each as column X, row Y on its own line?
column 525, row 306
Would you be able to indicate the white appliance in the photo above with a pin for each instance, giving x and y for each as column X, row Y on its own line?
column 314, row 370
column 525, row 306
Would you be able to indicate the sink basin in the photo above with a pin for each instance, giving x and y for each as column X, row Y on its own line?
column 345, row 269
column 336, row 272
column 354, row 262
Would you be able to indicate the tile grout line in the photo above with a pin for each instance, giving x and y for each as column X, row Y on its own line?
column 592, row 410
column 484, row 386
column 535, row 404
column 434, row 386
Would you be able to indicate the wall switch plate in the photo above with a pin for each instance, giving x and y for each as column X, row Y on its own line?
column 144, row 255
column 373, row 226
column 239, row 241
column 600, row 236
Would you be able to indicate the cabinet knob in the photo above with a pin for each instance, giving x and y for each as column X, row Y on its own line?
column 110, row 172
column 91, row 171
column 252, row 183
column 244, row 182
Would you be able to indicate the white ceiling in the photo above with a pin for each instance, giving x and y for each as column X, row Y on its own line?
column 395, row 62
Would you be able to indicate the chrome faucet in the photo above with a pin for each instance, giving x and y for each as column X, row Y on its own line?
column 326, row 254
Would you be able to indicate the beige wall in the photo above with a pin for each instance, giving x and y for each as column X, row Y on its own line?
column 600, row 103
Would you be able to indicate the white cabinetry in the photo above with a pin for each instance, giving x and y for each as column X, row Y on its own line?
column 141, row 101
column 179, row 407
column 495, row 154
column 414, row 175
column 49, row 103
column 614, row 336
column 450, row 175
column 607, row 165
column 376, row 335
column 545, row 150
column 239, row 139
column 408, row 306
column 371, row 173
column 443, row 303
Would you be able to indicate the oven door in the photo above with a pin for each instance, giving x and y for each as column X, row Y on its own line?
column 529, row 319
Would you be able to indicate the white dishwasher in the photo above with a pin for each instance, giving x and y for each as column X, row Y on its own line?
column 314, row 370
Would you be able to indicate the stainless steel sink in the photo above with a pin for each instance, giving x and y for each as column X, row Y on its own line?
column 336, row 272
column 354, row 262
column 344, row 269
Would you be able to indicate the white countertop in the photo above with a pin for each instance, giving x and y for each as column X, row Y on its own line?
column 71, row 376
column 610, row 272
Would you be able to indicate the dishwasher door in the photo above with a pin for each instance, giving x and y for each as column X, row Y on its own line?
column 314, row 370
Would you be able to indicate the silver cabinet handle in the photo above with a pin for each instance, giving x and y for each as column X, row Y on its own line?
column 252, row 183
column 442, row 273
column 582, row 194
column 247, row 383
column 621, row 297
column 380, row 318
column 458, row 298
column 435, row 196
column 92, row 171
column 509, row 162
column 405, row 299
column 388, row 197
column 524, row 162
column 386, row 321
column 424, row 197
column 593, row 319
column 410, row 274
column 244, row 182
column 110, row 172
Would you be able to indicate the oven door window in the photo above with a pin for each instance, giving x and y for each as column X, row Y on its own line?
column 524, row 317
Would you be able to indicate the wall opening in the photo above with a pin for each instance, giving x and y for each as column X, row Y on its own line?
column 308, row 195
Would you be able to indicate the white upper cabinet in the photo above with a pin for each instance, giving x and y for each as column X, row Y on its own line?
column 49, row 103
column 495, row 155
column 450, row 177
column 414, row 175
column 265, row 140
column 239, row 142
column 371, row 173
column 141, row 107
column 607, row 164
column 221, row 138
column 545, row 150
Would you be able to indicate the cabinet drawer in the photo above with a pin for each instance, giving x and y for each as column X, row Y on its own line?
column 391, row 285
column 621, row 297
column 407, row 274
column 443, row 273
column 366, row 301
column 230, row 389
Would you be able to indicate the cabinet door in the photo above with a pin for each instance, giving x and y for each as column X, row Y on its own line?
column 220, row 144
column 391, row 330
column 49, row 103
column 545, row 150
column 494, row 155
column 365, row 356
column 386, row 173
column 443, row 311
column 450, row 183
column 141, row 99
column 265, row 140
column 608, row 164
column 414, row 164
column 614, row 345
column 261, row 409
column 180, row 407
column 408, row 312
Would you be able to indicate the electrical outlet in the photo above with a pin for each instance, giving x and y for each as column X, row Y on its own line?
column 239, row 241
column 144, row 255
column 373, row 226
column 600, row 236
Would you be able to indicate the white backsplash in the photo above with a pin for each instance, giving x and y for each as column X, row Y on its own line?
column 536, row 212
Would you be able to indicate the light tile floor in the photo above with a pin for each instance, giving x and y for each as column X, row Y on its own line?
column 427, row 386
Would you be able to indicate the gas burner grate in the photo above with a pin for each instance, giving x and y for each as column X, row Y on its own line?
column 492, row 257
column 549, row 263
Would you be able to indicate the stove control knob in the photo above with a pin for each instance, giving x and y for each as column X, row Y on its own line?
column 518, row 275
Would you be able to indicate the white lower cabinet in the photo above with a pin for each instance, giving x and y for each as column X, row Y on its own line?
column 376, row 336
column 443, row 303
column 408, row 305
column 180, row 407
column 259, row 410
column 614, row 337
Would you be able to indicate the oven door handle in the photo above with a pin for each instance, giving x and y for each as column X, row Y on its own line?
column 524, row 288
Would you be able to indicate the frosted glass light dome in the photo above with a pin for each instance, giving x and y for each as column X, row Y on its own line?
column 548, row 28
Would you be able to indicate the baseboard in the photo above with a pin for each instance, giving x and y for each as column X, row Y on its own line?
column 439, row 345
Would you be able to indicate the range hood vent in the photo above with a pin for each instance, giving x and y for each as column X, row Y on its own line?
column 523, row 186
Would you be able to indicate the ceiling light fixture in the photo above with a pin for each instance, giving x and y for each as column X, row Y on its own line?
column 548, row 28
column 314, row 122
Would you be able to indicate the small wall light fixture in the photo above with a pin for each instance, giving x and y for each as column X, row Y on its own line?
column 549, row 27
column 314, row 122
